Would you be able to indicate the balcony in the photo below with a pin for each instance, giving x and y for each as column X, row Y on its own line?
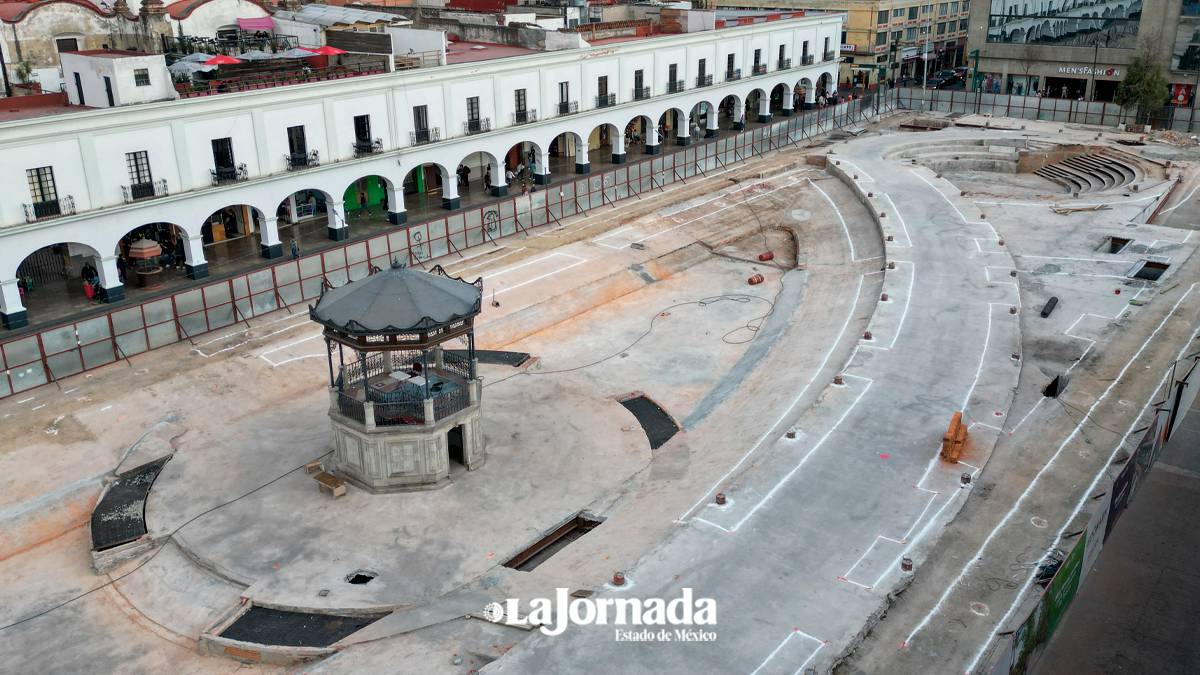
column 675, row 87
column 606, row 100
column 731, row 75
column 759, row 69
column 704, row 80
column 807, row 59
column 641, row 93
column 52, row 208
column 567, row 108
column 423, row 136
column 367, row 146
column 784, row 64
column 302, row 160
column 148, row 190
column 228, row 174
column 829, row 56
column 524, row 117
column 477, row 126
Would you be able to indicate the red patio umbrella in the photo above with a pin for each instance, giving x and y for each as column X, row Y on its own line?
column 221, row 60
column 325, row 50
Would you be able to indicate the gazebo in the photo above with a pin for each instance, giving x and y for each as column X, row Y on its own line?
column 402, row 406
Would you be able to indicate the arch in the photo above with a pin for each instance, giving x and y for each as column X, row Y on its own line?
column 758, row 104
column 804, row 93
column 673, row 126
column 568, row 147
column 427, row 183
column 236, row 231
column 370, row 194
column 781, row 102
column 641, row 136
column 607, row 141
column 486, row 174
column 825, row 84
column 524, row 161
column 702, row 120
column 731, row 110
column 51, row 281
column 172, row 263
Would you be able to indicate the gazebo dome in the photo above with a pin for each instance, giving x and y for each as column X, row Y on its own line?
column 396, row 300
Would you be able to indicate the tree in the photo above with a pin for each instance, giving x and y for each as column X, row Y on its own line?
column 1145, row 88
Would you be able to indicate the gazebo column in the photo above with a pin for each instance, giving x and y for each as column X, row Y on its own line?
column 429, row 420
column 369, row 415
column 438, row 360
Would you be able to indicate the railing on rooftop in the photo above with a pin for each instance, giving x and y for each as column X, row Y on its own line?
column 51, row 208
column 477, row 126
column 136, row 192
column 267, row 80
column 298, row 161
column 230, row 44
column 228, row 174
column 423, row 136
column 367, row 146
column 606, row 100
column 525, row 116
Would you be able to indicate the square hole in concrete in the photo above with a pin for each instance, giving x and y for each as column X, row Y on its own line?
column 1114, row 244
column 545, row 548
column 1151, row 270
column 360, row 577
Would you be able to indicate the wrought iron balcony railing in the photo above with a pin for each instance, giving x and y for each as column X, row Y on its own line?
column 51, row 208
column 423, row 136
column 829, row 56
column 807, row 59
column 676, row 87
column 568, row 107
column 784, row 64
column 731, row 75
column 606, row 100
column 228, row 174
column 367, row 146
column 759, row 69
column 477, row 126
column 298, row 161
column 641, row 93
column 704, row 80
column 138, row 191
column 525, row 116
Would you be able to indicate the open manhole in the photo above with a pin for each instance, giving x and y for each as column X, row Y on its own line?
column 655, row 421
column 265, row 626
column 1056, row 386
column 360, row 577
column 1149, row 270
column 545, row 548
column 1114, row 244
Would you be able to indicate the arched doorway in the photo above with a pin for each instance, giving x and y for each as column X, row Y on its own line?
column 429, row 186
column 758, row 104
column 804, row 94
column 607, row 142
column 480, row 173
column 234, row 232
column 568, row 148
column 641, row 137
column 730, row 111
column 523, row 166
column 141, row 270
column 61, row 279
column 703, row 120
column 781, row 100
column 673, row 124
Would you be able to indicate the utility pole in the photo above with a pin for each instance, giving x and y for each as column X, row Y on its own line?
column 925, row 71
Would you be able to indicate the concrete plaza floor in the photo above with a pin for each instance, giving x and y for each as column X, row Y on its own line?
column 828, row 486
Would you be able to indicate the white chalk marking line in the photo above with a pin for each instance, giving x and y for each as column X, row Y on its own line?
column 1084, row 497
column 1031, row 411
column 896, row 210
column 729, row 191
column 514, row 287
column 247, row 330
column 489, row 261
column 787, row 411
column 853, row 255
column 866, row 176
column 304, row 321
column 535, row 261
column 1181, row 201
column 1045, row 467
column 953, row 206
column 1060, row 257
column 1070, row 204
column 820, row 644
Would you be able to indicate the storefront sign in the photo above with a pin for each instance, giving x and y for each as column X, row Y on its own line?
column 1087, row 70
column 847, row 47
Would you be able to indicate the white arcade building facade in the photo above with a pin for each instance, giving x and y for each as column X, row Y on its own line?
column 81, row 180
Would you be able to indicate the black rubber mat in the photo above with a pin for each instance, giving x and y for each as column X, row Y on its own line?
column 493, row 357
column 657, row 424
column 120, row 517
column 294, row 629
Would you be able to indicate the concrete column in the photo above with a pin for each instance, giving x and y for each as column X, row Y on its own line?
column 429, row 419
column 450, row 198
column 473, row 391
column 618, row 147
column 12, row 312
column 291, row 208
column 395, row 199
column 788, row 104
column 438, row 357
column 541, row 174
column 581, row 158
column 498, row 187
column 336, row 226
column 369, row 415
column 268, row 236
column 683, row 129
column 712, row 128
column 653, row 142
column 739, row 115
column 195, row 266
column 110, row 280
column 810, row 97
column 764, row 108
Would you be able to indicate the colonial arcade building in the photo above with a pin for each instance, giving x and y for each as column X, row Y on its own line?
column 234, row 177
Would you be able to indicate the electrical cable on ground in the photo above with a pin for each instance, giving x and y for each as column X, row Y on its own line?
column 153, row 555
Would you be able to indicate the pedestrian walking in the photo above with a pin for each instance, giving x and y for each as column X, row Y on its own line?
column 295, row 250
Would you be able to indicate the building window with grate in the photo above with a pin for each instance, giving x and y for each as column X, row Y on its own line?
column 141, row 77
column 138, row 164
column 41, row 184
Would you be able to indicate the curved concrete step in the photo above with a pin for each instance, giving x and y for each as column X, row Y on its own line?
column 1110, row 176
column 1062, row 178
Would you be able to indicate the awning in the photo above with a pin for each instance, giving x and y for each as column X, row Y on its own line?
column 257, row 23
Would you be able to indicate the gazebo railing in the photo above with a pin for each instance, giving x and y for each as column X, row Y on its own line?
column 409, row 411
column 459, row 365
column 445, row 405
column 399, row 413
column 351, row 408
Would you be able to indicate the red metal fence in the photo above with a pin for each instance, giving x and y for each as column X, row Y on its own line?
column 55, row 353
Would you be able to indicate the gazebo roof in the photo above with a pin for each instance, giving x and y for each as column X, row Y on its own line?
column 396, row 300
